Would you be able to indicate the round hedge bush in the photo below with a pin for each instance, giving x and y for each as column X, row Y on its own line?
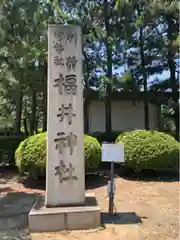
column 30, row 156
column 92, row 152
column 150, row 150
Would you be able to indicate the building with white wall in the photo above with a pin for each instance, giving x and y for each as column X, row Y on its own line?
column 125, row 115
column 127, row 111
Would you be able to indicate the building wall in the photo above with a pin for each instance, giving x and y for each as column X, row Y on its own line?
column 125, row 115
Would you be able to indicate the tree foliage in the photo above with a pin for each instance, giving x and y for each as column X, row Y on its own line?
column 31, row 155
column 127, row 45
column 150, row 150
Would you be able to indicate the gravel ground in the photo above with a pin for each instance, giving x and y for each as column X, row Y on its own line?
column 145, row 210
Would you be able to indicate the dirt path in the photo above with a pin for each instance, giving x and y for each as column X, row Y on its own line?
column 145, row 210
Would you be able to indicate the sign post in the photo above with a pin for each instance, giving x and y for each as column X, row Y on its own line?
column 111, row 194
column 112, row 153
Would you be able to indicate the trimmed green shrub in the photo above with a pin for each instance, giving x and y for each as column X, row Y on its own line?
column 31, row 155
column 92, row 152
column 150, row 150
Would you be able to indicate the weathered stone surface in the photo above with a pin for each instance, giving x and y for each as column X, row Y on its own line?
column 43, row 219
column 65, row 181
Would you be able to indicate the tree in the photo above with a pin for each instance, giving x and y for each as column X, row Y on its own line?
column 112, row 18
column 167, row 13
column 172, row 21
column 140, row 37
column 24, row 50
column 142, row 50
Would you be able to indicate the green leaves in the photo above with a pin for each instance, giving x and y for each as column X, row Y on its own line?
column 150, row 150
column 31, row 155
column 116, row 32
column 140, row 21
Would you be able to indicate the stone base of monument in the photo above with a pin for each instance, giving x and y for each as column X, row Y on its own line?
column 43, row 219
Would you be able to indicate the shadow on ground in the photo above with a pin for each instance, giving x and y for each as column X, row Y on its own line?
column 16, row 203
column 96, row 179
column 6, row 173
column 5, row 189
column 120, row 218
column 150, row 175
column 93, row 180
column 39, row 184
column 14, row 209
column 168, row 175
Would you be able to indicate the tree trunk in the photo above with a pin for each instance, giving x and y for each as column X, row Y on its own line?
column 33, row 115
column 18, row 113
column 172, row 69
column 143, row 69
column 44, row 128
column 36, row 125
column 109, row 72
column 108, row 111
column 159, row 117
column 25, row 127
column 86, row 102
column 86, row 115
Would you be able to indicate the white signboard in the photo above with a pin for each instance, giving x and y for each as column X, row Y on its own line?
column 112, row 152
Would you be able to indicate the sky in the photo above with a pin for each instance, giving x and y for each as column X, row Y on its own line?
column 164, row 75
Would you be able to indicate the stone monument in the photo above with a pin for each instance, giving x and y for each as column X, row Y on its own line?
column 65, row 206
